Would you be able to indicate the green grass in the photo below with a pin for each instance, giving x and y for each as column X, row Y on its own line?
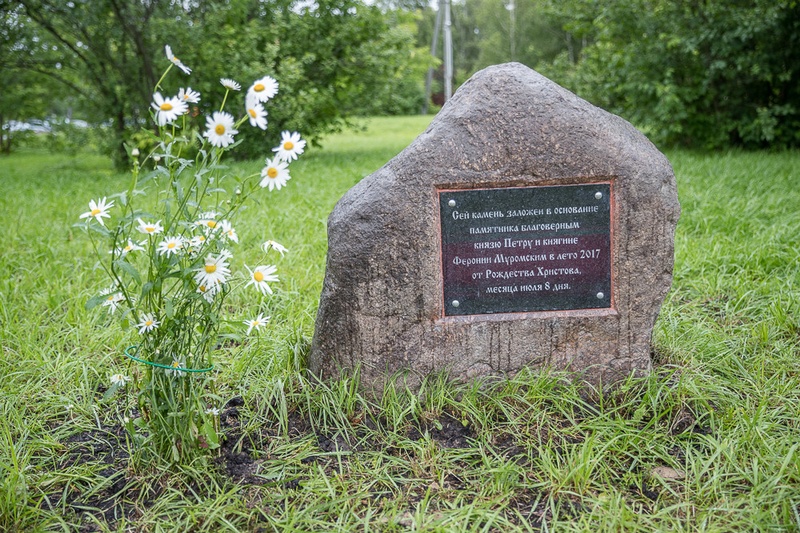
column 722, row 406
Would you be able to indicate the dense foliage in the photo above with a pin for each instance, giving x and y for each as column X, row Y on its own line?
column 701, row 74
column 330, row 56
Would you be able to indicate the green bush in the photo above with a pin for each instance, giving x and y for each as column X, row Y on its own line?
column 700, row 74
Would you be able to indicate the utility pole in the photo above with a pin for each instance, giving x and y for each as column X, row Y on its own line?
column 443, row 14
column 512, row 12
column 429, row 77
column 448, row 52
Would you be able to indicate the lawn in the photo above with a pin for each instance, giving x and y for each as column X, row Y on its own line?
column 709, row 442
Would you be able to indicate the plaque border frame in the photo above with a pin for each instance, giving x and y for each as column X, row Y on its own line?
column 438, row 189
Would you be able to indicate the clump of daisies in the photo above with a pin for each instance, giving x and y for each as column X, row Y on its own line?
column 171, row 268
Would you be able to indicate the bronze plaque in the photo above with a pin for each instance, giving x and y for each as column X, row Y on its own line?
column 520, row 249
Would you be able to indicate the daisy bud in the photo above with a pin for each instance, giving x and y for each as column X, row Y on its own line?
column 135, row 152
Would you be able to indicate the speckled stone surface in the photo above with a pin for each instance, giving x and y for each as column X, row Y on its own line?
column 381, row 306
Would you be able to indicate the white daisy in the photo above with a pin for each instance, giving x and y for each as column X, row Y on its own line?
column 209, row 292
column 227, row 229
column 275, row 174
column 188, row 95
column 256, row 113
column 98, row 210
column 220, row 130
column 264, row 89
column 230, row 84
column 258, row 322
column 175, row 61
column 259, row 277
column 113, row 298
column 213, row 411
column 177, row 364
column 168, row 109
column 170, row 246
column 272, row 245
column 208, row 225
column 197, row 242
column 128, row 248
column 119, row 380
column 148, row 323
column 149, row 229
column 215, row 271
column 291, row 146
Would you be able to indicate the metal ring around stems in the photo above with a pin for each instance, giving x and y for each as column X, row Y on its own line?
column 159, row 365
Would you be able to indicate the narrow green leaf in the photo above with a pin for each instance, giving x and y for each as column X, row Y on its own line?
column 94, row 301
column 178, row 190
column 110, row 392
column 129, row 270
column 146, row 288
column 210, row 434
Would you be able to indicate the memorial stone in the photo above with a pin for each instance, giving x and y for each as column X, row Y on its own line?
column 525, row 227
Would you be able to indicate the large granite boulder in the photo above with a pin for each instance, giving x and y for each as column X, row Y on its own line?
column 383, row 305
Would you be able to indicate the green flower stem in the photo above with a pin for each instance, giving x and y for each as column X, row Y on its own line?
column 158, row 85
column 224, row 99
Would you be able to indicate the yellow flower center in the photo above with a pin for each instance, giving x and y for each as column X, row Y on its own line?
column 150, row 229
column 272, row 172
column 148, row 323
column 288, row 145
column 110, row 297
column 220, row 129
column 171, row 245
column 259, row 87
column 128, row 248
column 211, row 268
column 211, row 224
column 258, row 276
column 252, row 112
column 202, row 288
column 175, row 58
column 95, row 212
column 166, row 106
column 176, row 364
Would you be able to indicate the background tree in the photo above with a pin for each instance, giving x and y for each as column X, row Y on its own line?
column 330, row 56
column 24, row 92
column 98, row 49
column 702, row 74
column 516, row 30
column 488, row 32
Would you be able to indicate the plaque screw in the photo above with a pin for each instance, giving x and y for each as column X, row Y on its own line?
column 456, row 303
column 451, row 203
column 600, row 295
column 598, row 195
